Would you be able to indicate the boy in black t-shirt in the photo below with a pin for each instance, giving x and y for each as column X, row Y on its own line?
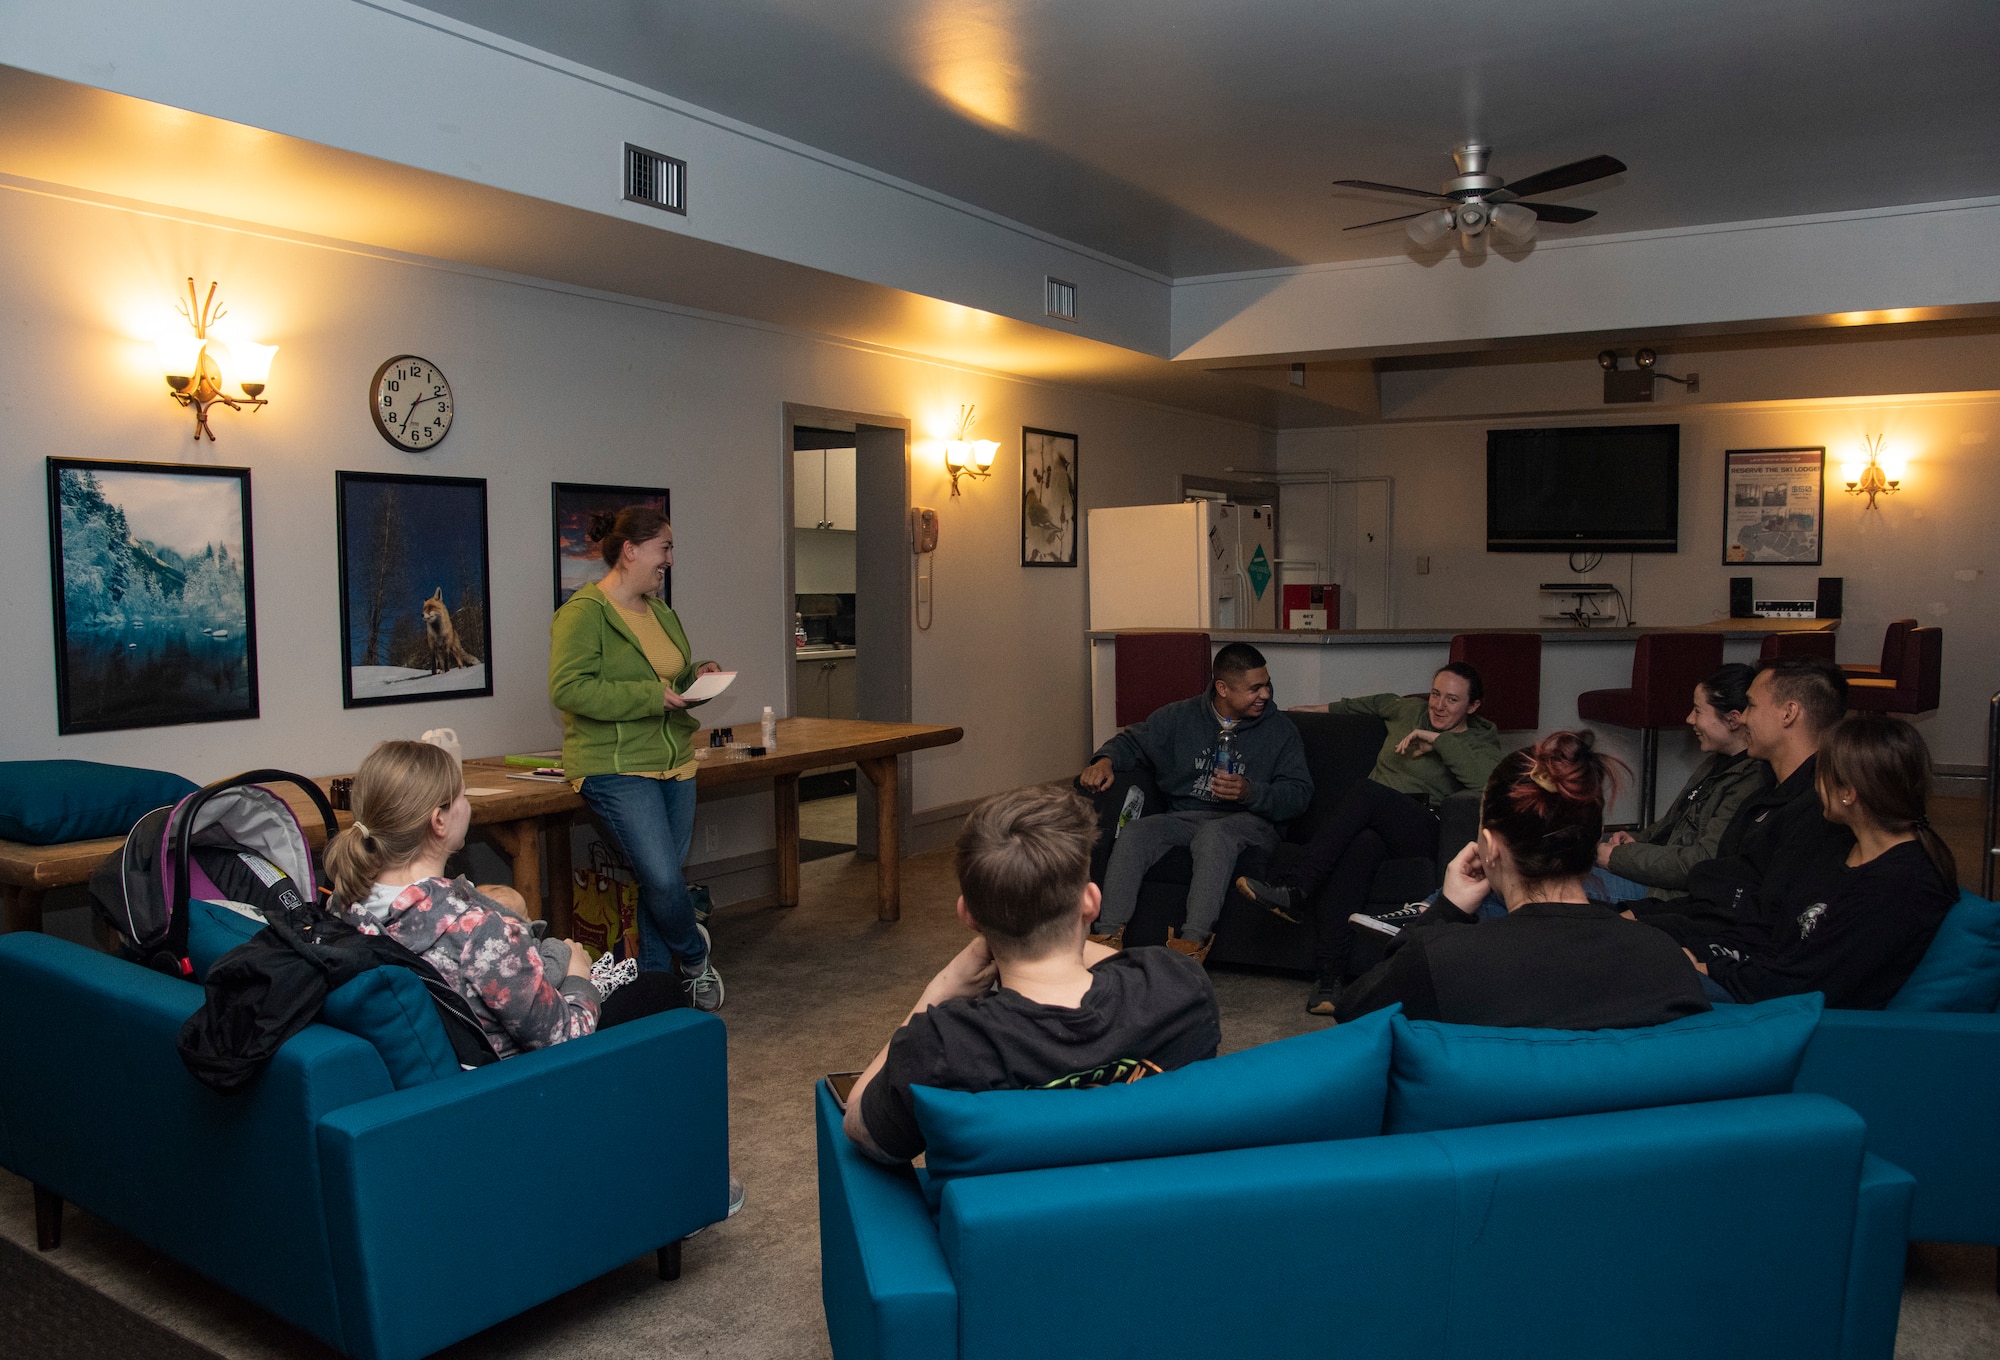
column 1031, row 1002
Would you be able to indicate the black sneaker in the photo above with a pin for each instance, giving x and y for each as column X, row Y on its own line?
column 1390, row 923
column 1283, row 901
column 1324, row 998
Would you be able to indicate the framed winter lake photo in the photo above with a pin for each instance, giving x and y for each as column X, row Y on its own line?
column 155, row 620
column 578, row 562
column 1048, row 498
column 414, row 588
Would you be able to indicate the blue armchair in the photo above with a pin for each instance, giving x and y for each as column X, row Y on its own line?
column 1929, row 1087
column 374, row 1218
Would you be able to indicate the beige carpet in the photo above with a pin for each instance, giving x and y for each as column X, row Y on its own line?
column 811, row 990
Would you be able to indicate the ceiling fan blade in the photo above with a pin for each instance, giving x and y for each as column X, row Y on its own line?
column 1565, row 176
column 1390, row 189
column 1557, row 212
column 1385, row 221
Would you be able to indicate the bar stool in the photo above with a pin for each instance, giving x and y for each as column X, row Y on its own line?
column 1155, row 669
column 1510, row 671
column 1796, row 644
column 1915, row 688
column 1893, row 638
column 1665, row 669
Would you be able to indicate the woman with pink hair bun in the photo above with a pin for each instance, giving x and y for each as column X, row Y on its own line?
column 1556, row 960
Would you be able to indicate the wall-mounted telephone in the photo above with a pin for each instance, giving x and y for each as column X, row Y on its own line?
column 923, row 542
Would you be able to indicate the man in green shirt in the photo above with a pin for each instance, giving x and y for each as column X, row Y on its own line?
column 1436, row 746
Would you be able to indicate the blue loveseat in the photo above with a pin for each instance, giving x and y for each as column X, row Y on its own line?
column 387, row 1222
column 1384, row 1189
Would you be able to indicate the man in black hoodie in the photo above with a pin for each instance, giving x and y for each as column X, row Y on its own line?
column 1778, row 851
column 1230, row 766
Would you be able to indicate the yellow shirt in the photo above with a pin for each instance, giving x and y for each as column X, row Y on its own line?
column 666, row 660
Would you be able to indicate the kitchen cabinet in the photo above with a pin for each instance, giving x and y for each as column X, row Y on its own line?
column 823, row 489
column 839, row 480
column 824, row 687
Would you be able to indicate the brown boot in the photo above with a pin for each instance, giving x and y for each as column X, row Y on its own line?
column 1115, row 940
column 1197, row 952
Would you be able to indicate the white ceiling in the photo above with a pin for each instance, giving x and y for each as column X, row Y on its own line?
column 1195, row 137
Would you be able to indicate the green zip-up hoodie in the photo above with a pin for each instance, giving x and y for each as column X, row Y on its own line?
column 613, row 719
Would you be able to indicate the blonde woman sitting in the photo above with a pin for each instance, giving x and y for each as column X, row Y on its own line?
column 410, row 814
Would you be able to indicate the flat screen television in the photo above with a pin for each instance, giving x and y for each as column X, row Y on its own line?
column 1612, row 488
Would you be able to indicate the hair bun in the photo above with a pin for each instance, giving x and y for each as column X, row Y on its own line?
column 600, row 524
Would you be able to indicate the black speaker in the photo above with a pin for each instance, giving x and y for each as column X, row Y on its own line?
column 1831, row 588
column 1740, row 606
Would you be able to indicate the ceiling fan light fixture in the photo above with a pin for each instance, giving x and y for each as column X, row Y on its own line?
column 1431, row 227
column 1515, row 221
column 1472, row 242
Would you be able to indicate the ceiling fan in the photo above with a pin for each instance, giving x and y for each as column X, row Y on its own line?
column 1475, row 200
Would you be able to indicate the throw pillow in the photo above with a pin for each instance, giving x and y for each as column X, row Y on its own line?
column 45, row 802
column 1457, row 1076
column 1307, row 1089
column 391, row 1009
column 1961, row 969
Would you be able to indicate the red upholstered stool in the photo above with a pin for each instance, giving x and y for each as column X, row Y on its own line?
column 1155, row 669
column 1914, row 688
column 1796, row 644
column 1510, row 672
column 1892, row 654
column 1665, row 669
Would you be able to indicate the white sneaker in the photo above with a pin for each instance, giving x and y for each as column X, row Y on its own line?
column 704, row 987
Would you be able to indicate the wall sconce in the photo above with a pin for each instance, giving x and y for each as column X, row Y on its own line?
column 193, row 363
column 965, row 456
column 1874, row 479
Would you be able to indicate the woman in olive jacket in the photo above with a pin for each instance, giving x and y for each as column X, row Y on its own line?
column 1659, row 858
column 618, row 661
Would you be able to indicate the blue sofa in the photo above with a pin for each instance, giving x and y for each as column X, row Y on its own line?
column 387, row 1222
column 1751, row 1225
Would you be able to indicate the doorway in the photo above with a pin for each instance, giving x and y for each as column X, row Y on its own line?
column 847, row 594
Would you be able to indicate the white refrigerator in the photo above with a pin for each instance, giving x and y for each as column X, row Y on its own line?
column 1200, row 564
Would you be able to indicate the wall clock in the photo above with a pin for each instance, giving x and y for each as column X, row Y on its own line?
column 411, row 402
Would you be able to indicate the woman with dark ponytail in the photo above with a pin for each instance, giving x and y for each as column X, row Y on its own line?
column 618, row 664
column 1557, row 960
column 1861, row 942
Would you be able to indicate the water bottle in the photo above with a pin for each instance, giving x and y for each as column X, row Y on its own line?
column 1221, row 761
column 770, row 730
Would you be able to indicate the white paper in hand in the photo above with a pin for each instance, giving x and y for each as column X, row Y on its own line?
column 706, row 687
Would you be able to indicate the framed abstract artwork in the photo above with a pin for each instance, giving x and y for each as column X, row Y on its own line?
column 1048, row 498
column 576, row 506
column 415, row 593
column 156, row 619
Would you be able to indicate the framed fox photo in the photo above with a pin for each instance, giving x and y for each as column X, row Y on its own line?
column 415, row 594
column 156, row 621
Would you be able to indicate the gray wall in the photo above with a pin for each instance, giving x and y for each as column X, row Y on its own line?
column 1930, row 552
column 551, row 383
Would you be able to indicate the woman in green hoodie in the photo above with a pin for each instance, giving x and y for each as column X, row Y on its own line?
column 618, row 661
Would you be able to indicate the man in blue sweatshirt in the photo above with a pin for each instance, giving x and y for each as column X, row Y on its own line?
column 1231, row 768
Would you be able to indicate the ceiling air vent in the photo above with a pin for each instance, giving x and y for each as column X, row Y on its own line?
column 655, row 180
column 1062, row 299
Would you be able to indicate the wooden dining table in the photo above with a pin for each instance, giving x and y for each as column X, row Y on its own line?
column 527, row 820
column 524, row 814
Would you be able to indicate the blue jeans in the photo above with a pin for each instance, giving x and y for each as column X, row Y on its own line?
column 1605, row 886
column 653, row 822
